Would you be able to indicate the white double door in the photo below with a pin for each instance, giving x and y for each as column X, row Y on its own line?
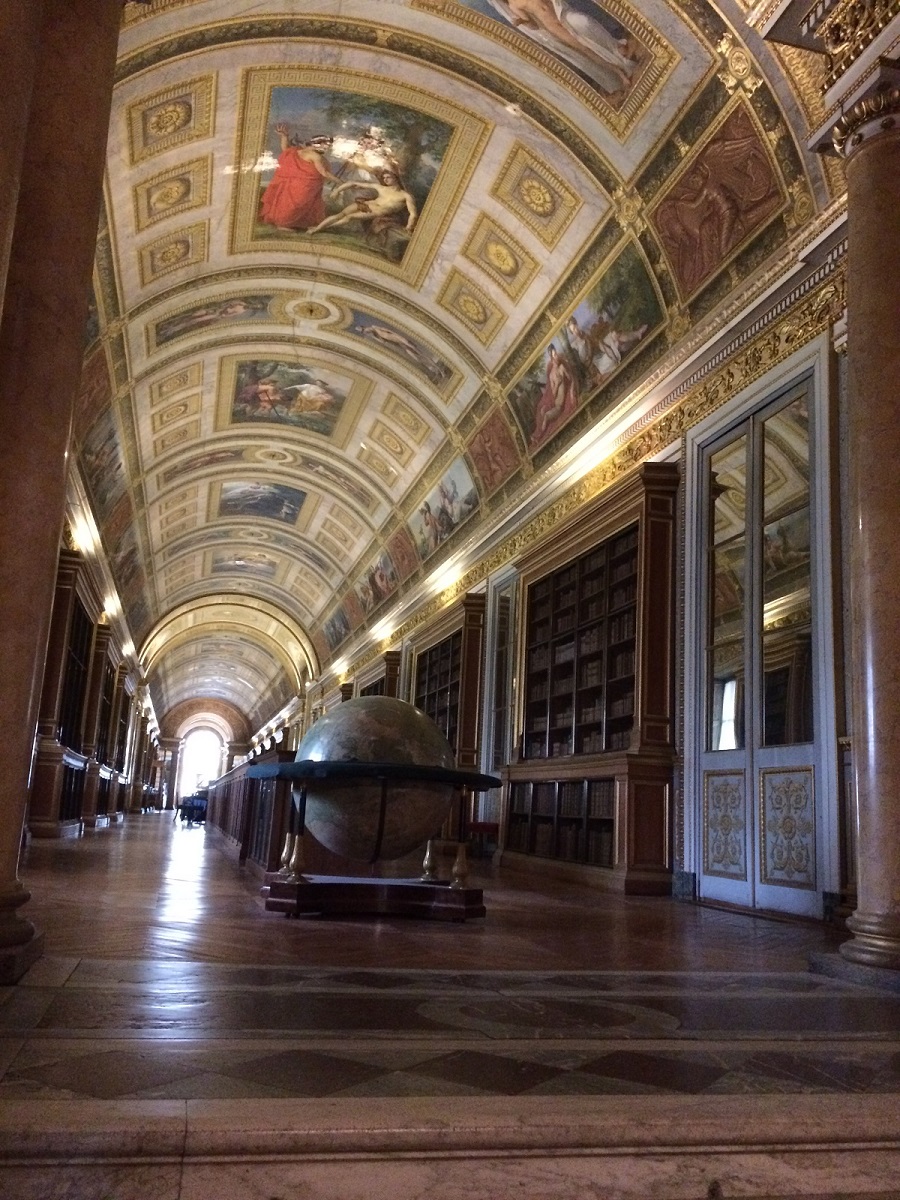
column 759, row 712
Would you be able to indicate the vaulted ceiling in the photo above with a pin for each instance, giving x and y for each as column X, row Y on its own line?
column 367, row 268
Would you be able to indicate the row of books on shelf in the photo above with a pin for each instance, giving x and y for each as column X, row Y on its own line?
column 626, row 593
column 622, row 663
column 592, row 743
column 573, row 797
column 591, row 674
column 543, row 799
column 624, row 542
column 621, row 627
column 568, row 842
column 556, row 741
column 623, row 707
column 623, row 570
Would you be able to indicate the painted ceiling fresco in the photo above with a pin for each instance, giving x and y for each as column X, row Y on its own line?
column 367, row 268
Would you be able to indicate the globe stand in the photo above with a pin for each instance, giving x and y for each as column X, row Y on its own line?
column 291, row 892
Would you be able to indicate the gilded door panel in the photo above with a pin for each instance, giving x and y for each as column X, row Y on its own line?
column 787, row 822
column 725, row 824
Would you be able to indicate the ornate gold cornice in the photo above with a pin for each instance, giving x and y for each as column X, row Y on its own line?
column 848, row 28
column 874, row 114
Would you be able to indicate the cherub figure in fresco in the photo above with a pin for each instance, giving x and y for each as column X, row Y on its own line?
column 575, row 36
column 293, row 199
column 380, row 211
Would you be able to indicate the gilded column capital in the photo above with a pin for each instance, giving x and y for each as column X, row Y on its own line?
column 875, row 113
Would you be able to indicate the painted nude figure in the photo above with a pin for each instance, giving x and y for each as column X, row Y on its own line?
column 388, row 201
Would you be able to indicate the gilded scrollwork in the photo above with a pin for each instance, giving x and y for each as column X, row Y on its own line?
column 849, row 27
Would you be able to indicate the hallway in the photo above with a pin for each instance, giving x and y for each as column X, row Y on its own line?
column 166, row 990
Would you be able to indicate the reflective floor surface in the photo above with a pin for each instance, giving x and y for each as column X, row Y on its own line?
column 165, row 978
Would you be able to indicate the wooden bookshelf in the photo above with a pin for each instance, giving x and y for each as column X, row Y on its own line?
column 581, row 629
column 595, row 715
column 571, row 819
column 438, row 679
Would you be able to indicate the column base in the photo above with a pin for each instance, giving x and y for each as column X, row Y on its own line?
column 98, row 822
column 55, row 829
column 836, row 967
column 15, row 960
column 875, row 941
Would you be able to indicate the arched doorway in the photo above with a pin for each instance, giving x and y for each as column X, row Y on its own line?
column 202, row 758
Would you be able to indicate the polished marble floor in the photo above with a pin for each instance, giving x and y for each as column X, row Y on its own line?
column 164, row 978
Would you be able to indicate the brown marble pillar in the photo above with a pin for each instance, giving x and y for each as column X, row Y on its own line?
column 99, row 654
column 41, row 341
column 20, row 30
column 872, row 147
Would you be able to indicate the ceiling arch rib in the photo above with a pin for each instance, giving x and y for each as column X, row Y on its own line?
column 364, row 271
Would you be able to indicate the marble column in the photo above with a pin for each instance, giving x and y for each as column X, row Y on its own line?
column 93, row 703
column 870, row 139
column 41, row 341
column 20, row 31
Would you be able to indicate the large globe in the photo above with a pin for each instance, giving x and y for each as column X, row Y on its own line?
column 345, row 814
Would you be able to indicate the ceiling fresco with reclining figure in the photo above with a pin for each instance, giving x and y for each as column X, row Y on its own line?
column 366, row 270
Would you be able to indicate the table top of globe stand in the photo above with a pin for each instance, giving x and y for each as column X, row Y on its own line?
column 308, row 769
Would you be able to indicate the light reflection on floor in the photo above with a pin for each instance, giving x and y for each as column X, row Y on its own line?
column 183, row 893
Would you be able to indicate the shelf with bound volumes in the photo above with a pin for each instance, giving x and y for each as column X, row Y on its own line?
column 595, row 693
column 572, row 820
column 580, row 628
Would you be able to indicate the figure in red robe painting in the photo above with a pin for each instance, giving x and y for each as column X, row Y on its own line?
column 293, row 198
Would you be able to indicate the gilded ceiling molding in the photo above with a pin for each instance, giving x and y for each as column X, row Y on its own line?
column 847, row 29
column 812, row 314
column 737, row 65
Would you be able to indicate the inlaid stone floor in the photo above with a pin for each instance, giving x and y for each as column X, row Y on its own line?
column 165, row 978
column 178, row 1042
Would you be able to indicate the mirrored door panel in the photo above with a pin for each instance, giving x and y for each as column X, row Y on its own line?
column 759, row 822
